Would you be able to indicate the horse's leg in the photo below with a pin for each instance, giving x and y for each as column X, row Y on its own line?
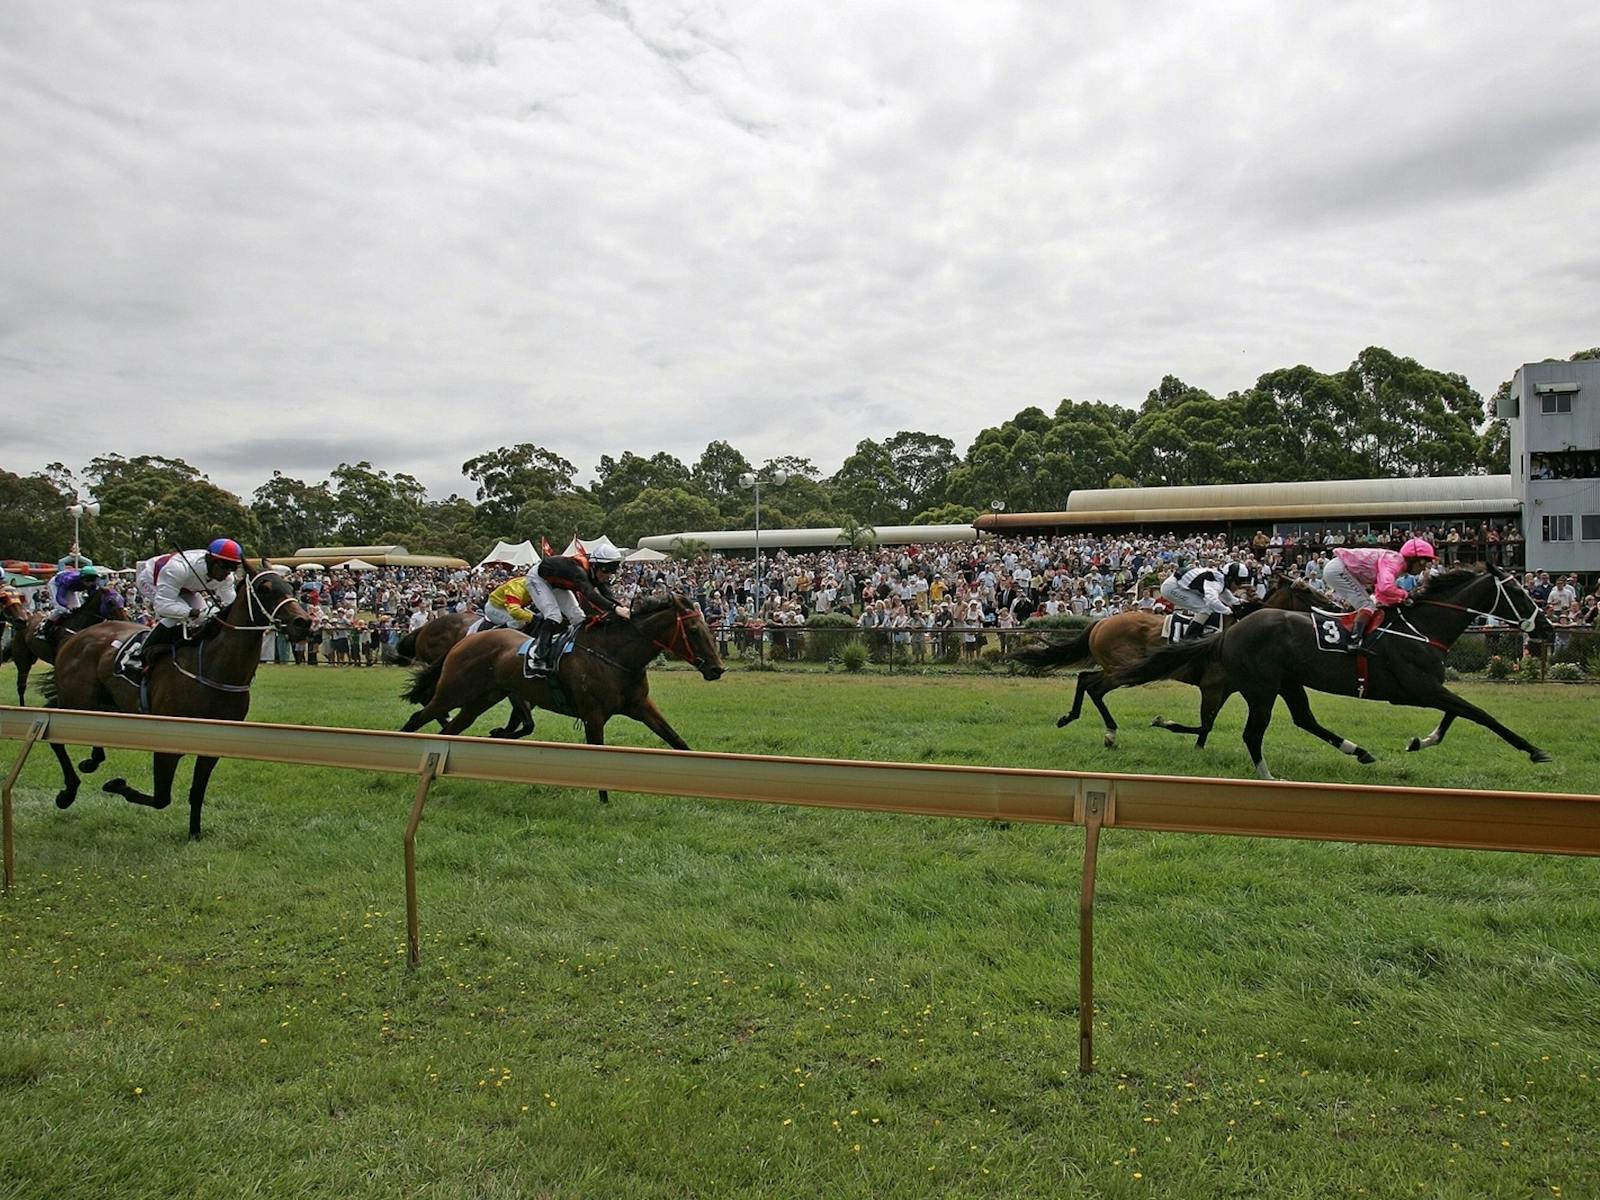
column 1441, row 697
column 24, row 660
column 1255, row 728
column 594, row 732
column 197, row 793
column 1077, row 700
column 1437, row 736
column 97, row 755
column 428, row 712
column 69, row 777
column 647, row 714
column 1294, row 695
column 470, row 712
column 1097, row 690
column 1212, row 699
column 521, row 722
column 165, row 768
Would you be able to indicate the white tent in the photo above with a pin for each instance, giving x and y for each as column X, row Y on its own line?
column 517, row 554
column 357, row 564
column 644, row 554
column 591, row 544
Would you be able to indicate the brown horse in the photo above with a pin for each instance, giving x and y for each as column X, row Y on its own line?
column 30, row 646
column 603, row 674
column 209, row 678
column 1127, row 638
column 432, row 642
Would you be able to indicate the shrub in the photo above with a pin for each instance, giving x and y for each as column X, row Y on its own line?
column 1067, row 621
column 1451, row 675
column 826, row 636
column 759, row 665
column 1566, row 672
column 853, row 657
column 1470, row 653
column 1502, row 668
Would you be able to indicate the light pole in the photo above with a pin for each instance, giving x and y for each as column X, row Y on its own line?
column 997, row 507
column 77, row 508
column 753, row 481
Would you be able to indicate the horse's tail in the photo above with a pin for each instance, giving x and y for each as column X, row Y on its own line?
column 424, row 681
column 48, row 689
column 1047, row 656
column 1166, row 661
column 405, row 651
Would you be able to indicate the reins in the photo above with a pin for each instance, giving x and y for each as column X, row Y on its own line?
column 1526, row 624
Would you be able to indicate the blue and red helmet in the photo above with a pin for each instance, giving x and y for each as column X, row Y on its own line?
column 226, row 549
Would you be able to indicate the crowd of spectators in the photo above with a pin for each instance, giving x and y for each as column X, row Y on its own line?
column 962, row 591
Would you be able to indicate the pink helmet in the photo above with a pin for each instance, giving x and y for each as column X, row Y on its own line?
column 1418, row 548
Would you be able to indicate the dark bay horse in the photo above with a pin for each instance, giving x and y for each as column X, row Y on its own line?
column 209, row 678
column 433, row 641
column 30, row 646
column 603, row 675
column 1126, row 638
column 1272, row 654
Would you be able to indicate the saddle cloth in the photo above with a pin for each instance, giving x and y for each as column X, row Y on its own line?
column 1335, row 629
column 533, row 667
column 1178, row 626
column 129, row 662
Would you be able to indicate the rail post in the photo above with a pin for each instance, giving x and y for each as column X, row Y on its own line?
column 432, row 763
column 1096, row 803
column 35, row 732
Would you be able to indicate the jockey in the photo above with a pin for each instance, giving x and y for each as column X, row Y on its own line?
column 511, row 605
column 68, row 591
column 1203, row 591
column 562, row 580
column 1352, row 571
column 70, row 588
column 186, row 588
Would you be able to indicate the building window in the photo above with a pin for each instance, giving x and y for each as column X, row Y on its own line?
column 1553, row 403
column 1558, row 528
column 1591, row 527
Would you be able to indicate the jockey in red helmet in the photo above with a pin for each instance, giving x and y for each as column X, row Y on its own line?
column 187, row 588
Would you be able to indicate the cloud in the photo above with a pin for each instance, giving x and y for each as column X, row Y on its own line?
column 292, row 236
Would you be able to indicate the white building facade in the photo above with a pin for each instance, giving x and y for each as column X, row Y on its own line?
column 1553, row 413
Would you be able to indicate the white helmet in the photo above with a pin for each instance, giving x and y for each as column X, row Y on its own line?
column 605, row 554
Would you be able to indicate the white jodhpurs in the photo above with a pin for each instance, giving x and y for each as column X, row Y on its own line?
column 555, row 604
column 1337, row 579
column 1184, row 599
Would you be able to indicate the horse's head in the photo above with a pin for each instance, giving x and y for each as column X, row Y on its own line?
column 12, row 605
column 272, row 596
column 687, row 636
column 1513, row 603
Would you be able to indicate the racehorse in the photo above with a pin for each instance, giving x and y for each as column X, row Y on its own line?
column 30, row 646
column 433, row 640
column 209, row 678
column 1124, row 639
column 602, row 675
column 1272, row 654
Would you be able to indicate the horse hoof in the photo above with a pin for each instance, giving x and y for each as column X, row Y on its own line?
column 1111, row 741
column 605, row 798
column 1063, row 722
column 115, row 786
column 1541, row 756
column 1366, row 757
column 499, row 733
column 1159, row 723
column 65, row 797
column 89, row 766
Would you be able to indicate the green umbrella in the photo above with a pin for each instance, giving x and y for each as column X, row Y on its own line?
column 23, row 581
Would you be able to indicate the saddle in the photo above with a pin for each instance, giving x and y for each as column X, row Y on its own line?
column 536, row 665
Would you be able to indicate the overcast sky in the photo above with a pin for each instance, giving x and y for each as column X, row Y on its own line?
column 285, row 235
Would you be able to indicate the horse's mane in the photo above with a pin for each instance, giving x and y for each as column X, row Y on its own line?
column 651, row 604
column 1450, row 582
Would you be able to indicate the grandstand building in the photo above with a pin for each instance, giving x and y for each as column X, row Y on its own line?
column 1553, row 413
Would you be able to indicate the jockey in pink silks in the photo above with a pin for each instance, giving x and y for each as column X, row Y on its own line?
column 1362, row 577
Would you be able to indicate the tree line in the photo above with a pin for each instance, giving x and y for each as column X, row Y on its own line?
column 1384, row 416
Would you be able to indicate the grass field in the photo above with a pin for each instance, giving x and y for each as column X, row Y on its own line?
column 669, row 998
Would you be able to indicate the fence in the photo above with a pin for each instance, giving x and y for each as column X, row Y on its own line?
column 1545, row 824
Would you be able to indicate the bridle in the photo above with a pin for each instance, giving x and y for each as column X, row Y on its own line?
column 1502, row 593
column 253, row 604
column 680, row 632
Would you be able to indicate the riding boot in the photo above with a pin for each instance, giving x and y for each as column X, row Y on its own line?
column 543, row 635
column 161, row 636
column 1358, row 638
